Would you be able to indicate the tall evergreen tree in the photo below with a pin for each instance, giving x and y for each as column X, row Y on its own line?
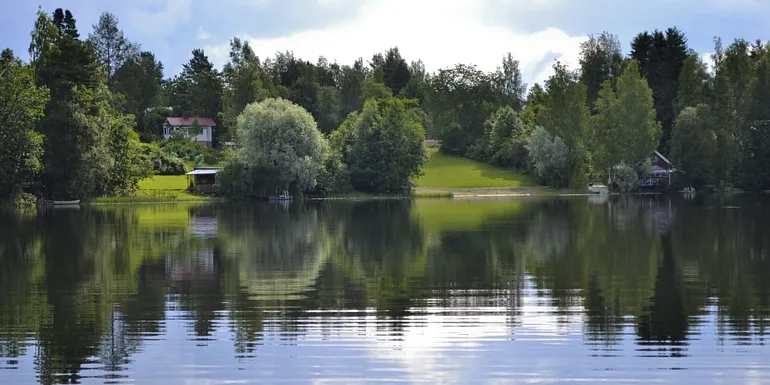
column 395, row 71
column 661, row 56
column 139, row 80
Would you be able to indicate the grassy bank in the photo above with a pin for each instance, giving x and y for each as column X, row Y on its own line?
column 158, row 189
column 451, row 175
column 444, row 176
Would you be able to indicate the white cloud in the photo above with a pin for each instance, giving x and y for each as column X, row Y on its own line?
column 441, row 34
column 203, row 34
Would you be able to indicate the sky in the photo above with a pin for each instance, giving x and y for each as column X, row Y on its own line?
column 439, row 32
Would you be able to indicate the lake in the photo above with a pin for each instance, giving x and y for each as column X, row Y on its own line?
column 650, row 289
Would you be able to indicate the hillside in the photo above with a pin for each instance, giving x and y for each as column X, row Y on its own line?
column 450, row 172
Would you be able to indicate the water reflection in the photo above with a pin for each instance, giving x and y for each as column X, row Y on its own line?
column 436, row 290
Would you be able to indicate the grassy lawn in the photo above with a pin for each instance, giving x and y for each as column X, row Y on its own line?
column 159, row 188
column 444, row 171
column 161, row 182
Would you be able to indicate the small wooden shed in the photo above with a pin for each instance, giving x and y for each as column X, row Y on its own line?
column 202, row 180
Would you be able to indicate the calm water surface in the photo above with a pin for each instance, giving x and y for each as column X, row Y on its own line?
column 578, row 290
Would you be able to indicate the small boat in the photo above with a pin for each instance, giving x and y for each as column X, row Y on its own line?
column 598, row 188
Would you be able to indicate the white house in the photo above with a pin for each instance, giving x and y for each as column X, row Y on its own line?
column 205, row 135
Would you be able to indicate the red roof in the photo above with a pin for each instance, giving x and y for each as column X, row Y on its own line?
column 188, row 122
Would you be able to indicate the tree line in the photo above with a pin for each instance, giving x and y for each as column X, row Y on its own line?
column 83, row 117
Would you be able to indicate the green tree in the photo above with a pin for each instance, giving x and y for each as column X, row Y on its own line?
column 732, row 100
column 601, row 60
column 243, row 84
column 74, row 157
column 564, row 114
column 351, row 89
column 549, row 156
column 460, row 101
column 139, row 80
column 279, row 137
column 625, row 130
column 753, row 172
column 694, row 145
column 22, row 104
column 694, row 84
column 418, row 82
column 329, row 112
column 504, row 127
column 128, row 163
column 111, row 46
column 387, row 153
column 509, row 79
column 374, row 90
column 198, row 89
column 661, row 56
column 395, row 71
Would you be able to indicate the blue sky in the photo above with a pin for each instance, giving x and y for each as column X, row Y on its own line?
column 440, row 32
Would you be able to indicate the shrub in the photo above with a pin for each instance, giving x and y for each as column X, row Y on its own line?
column 334, row 177
column 162, row 162
column 189, row 150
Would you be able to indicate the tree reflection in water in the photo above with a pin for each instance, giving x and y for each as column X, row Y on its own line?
column 88, row 288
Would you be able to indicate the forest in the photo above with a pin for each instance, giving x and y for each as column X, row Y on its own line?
column 82, row 118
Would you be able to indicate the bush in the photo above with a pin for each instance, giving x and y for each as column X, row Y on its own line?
column 189, row 150
column 241, row 181
column 162, row 162
column 334, row 177
column 549, row 156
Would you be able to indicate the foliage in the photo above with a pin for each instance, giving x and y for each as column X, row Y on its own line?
column 601, row 60
column 565, row 115
column 460, row 101
column 625, row 129
column 509, row 79
column 129, row 164
column 694, row 84
column 374, row 90
column 278, row 137
column 111, row 46
column 395, row 71
column 163, row 163
column 382, row 147
column 694, row 145
column 549, row 156
column 334, row 177
column 139, row 80
column 21, row 106
column 661, row 56
column 198, row 89
column 243, row 81
column 625, row 177
column 180, row 147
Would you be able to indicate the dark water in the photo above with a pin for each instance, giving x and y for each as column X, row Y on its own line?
column 579, row 290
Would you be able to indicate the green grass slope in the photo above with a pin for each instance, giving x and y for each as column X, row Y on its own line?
column 445, row 171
